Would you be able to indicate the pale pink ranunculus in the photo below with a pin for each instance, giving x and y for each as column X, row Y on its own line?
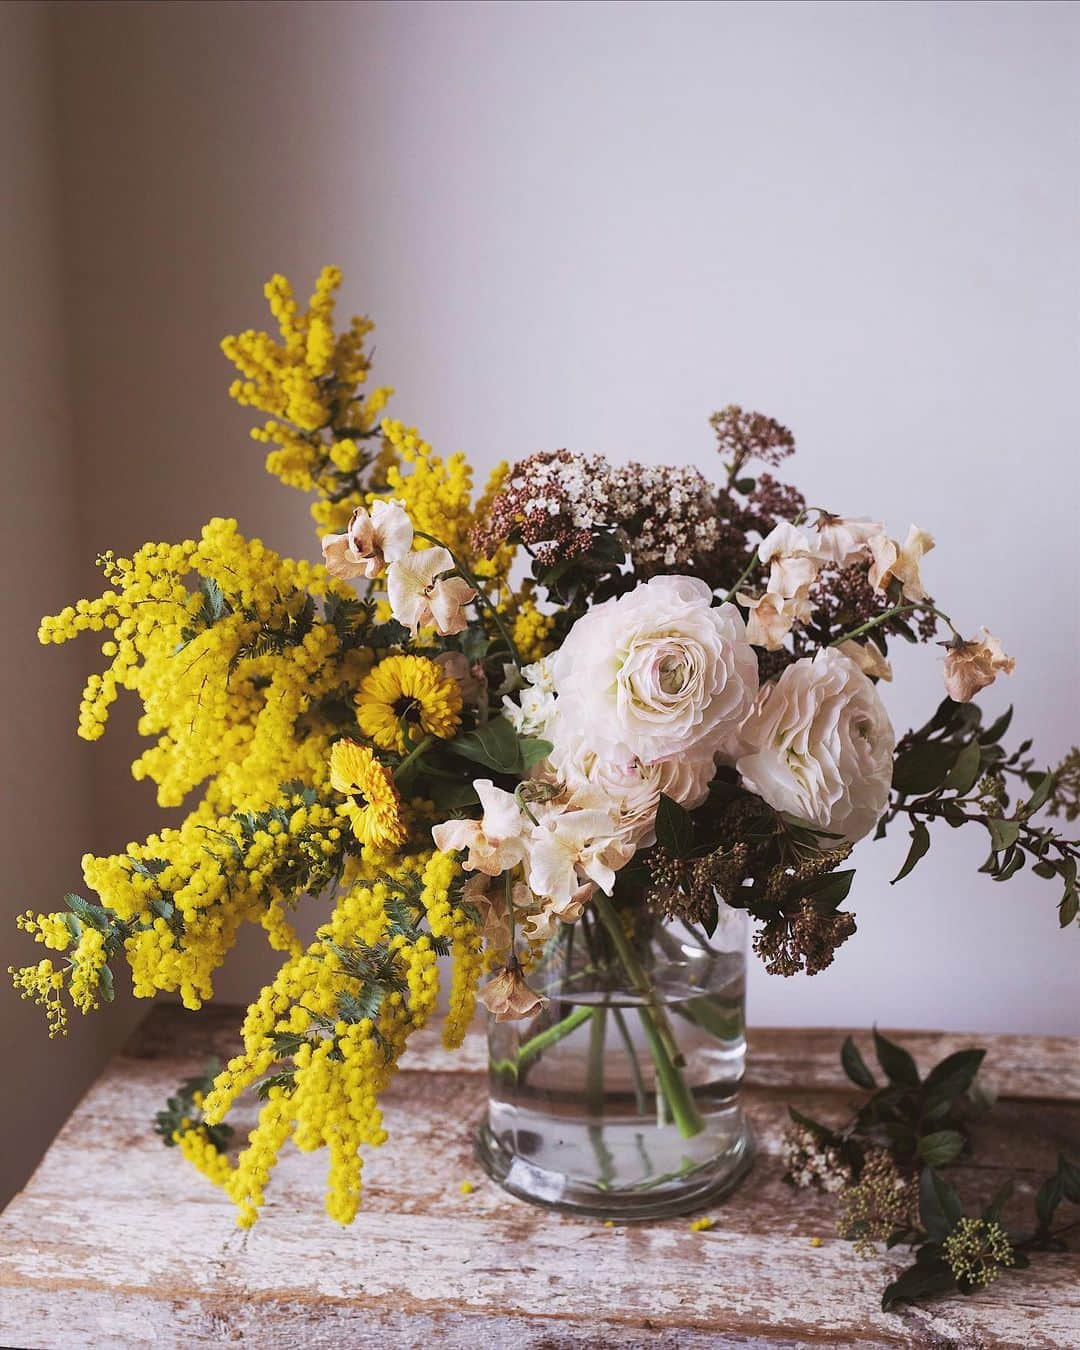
column 494, row 842
column 971, row 666
column 889, row 559
column 616, row 781
column 373, row 539
column 661, row 670
column 819, row 746
column 421, row 596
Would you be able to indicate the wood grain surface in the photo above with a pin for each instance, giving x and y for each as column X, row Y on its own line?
column 117, row 1242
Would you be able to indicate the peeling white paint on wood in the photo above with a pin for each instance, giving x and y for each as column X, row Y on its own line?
column 116, row 1242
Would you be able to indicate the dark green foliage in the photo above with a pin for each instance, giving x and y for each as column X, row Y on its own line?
column 922, row 1124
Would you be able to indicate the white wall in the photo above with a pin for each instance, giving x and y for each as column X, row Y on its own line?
column 591, row 225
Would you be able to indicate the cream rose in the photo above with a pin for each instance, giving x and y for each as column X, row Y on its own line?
column 660, row 670
column 822, row 746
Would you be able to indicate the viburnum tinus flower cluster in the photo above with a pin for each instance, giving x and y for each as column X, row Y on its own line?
column 591, row 691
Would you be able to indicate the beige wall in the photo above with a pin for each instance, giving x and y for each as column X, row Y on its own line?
column 47, row 821
column 583, row 224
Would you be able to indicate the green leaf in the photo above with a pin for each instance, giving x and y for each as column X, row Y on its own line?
column 495, row 745
column 1070, row 1178
column 923, row 767
column 895, row 1061
column 1069, row 907
column 932, row 1277
column 1039, row 796
column 953, row 1076
column 920, row 842
column 940, row 1148
column 744, row 485
column 997, row 729
column 1047, row 1198
column 105, row 984
column 825, row 893
column 939, row 1206
column 855, row 1066
column 533, row 750
column 1003, row 833
column 964, row 774
column 674, row 828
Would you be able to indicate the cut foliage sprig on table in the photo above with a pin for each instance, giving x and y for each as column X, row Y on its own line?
column 883, row 1166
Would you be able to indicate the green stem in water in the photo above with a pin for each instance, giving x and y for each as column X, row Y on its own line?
column 640, row 1096
column 594, row 1095
column 673, row 1084
column 537, row 1044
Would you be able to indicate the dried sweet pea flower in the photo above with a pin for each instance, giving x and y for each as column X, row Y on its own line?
column 420, row 595
column 889, row 559
column 770, row 617
column 494, row 842
column 971, row 666
column 508, row 997
column 794, row 560
column 867, row 656
column 372, row 540
column 843, row 539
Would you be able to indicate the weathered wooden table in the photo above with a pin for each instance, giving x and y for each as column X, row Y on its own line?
column 116, row 1242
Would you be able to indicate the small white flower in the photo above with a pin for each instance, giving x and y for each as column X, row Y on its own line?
column 420, row 595
column 373, row 539
column 535, row 705
column 494, row 842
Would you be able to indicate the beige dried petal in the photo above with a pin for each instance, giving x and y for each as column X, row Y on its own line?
column 867, row 656
column 971, row 666
column 508, row 997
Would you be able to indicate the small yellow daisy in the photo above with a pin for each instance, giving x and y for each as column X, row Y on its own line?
column 407, row 693
column 373, row 805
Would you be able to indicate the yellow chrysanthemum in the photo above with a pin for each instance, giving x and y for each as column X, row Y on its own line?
column 404, row 693
column 373, row 805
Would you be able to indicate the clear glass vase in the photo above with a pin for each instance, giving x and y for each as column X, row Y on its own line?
column 621, row 1098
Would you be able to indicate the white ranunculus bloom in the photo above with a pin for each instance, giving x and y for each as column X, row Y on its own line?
column 615, row 780
column 822, row 746
column 660, row 670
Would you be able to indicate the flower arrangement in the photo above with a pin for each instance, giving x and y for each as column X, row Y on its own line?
column 592, row 695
